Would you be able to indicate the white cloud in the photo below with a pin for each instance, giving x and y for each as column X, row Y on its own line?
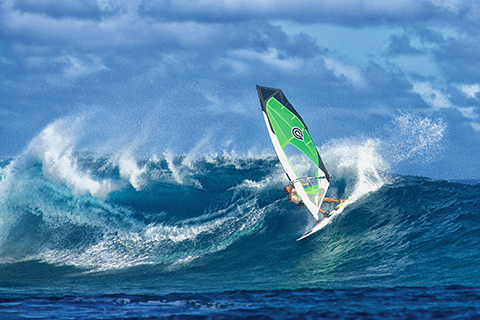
column 241, row 62
column 470, row 90
column 239, row 68
column 434, row 98
column 76, row 67
column 468, row 112
column 271, row 57
column 475, row 126
column 352, row 73
column 451, row 5
column 438, row 100
column 109, row 5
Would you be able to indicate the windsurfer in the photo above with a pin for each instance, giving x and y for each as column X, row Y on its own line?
column 294, row 198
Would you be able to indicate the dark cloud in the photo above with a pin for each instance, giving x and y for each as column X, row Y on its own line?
column 60, row 9
column 353, row 13
column 459, row 59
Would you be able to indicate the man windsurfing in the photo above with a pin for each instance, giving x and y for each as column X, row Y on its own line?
column 294, row 198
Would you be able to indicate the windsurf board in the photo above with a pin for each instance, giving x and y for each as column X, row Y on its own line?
column 322, row 223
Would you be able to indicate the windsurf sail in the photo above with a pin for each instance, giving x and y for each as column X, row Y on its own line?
column 295, row 149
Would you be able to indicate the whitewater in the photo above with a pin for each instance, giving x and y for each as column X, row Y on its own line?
column 91, row 234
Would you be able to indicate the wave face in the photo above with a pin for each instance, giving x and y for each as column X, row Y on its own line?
column 220, row 223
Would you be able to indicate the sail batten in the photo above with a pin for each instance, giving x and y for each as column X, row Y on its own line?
column 295, row 148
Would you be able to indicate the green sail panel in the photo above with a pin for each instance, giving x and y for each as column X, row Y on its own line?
column 295, row 148
column 290, row 129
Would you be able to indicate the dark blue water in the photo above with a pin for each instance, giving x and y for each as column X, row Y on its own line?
column 84, row 235
column 453, row 302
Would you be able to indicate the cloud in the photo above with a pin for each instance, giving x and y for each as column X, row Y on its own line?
column 401, row 44
column 271, row 57
column 456, row 55
column 246, row 61
column 103, row 24
column 79, row 67
column 125, row 29
column 59, row 8
column 470, row 90
column 352, row 73
column 433, row 97
column 475, row 126
column 468, row 112
column 439, row 100
column 346, row 12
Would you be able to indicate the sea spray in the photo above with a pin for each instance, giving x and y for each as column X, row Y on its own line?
column 54, row 147
column 173, row 167
column 359, row 163
column 365, row 162
column 130, row 170
column 414, row 138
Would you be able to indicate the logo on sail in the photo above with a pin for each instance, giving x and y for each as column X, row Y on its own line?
column 297, row 133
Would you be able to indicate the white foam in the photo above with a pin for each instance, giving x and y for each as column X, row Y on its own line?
column 358, row 162
column 130, row 171
column 176, row 174
column 365, row 162
column 6, row 216
column 54, row 147
column 140, row 244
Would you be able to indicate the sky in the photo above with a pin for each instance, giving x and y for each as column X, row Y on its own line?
column 156, row 77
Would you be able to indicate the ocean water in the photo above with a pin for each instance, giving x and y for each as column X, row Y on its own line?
column 104, row 236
